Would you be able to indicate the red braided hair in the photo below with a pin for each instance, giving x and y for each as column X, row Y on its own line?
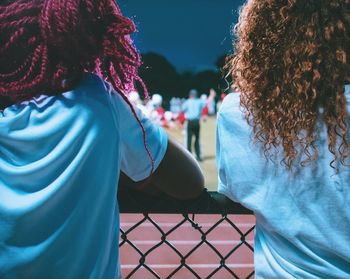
column 46, row 46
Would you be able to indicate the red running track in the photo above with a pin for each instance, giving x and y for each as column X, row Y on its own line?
column 163, row 260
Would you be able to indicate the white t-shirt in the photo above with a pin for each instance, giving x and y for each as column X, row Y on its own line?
column 302, row 222
column 193, row 108
column 60, row 159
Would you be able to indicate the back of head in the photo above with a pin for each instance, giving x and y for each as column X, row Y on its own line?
column 157, row 100
column 46, row 45
column 193, row 93
column 292, row 59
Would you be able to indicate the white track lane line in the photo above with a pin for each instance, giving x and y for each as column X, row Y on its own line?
column 187, row 225
column 198, row 266
column 190, row 242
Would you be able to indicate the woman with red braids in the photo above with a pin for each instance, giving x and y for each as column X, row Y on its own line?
column 66, row 132
column 286, row 157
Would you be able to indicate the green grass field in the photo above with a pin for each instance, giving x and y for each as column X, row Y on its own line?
column 207, row 136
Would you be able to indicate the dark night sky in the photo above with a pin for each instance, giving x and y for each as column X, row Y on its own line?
column 191, row 34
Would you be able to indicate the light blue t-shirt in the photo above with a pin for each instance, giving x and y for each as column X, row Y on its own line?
column 60, row 158
column 193, row 108
column 302, row 221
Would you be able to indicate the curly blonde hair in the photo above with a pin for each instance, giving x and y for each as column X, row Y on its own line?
column 291, row 62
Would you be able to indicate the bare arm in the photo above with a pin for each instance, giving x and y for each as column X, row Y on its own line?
column 178, row 175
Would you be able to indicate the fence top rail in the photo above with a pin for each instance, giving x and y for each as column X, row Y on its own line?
column 206, row 203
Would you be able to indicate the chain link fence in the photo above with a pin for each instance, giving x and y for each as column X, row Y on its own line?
column 187, row 219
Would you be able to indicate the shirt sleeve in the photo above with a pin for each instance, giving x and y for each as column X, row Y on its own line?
column 234, row 171
column 243, row 174
column 135, row 160
column 223, row 187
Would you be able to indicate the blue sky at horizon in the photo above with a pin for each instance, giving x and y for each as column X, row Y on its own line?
column 191, row 34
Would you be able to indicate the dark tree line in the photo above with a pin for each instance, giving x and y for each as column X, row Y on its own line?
column 162, row 77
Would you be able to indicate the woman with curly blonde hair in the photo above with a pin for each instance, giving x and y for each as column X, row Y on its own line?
column 283, row 142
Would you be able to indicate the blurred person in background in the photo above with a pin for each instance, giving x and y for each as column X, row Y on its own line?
column 211, row 102
column 205, row 109
column 66, row 134
column 219, row 103
column 135, row 100
column 192, row 109
column 283, row 142
column 155, row 109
